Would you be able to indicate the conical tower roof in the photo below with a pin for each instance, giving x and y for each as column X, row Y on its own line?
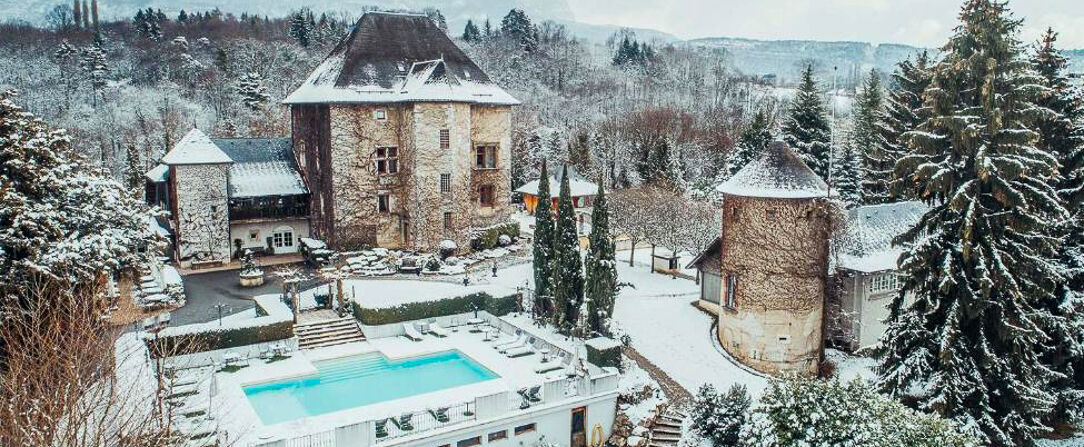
column 195, row 149
column 777, row 173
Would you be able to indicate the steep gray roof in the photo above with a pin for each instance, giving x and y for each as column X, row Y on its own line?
column 391, row 57
column 777, row 173
column 866, row 243
column 261, row 167
column 195, row 148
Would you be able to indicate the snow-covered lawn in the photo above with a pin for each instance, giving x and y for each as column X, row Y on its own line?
column 673, row 334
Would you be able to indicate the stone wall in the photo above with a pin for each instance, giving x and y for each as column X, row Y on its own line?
column 778, row 248
column 202, row 218
column 416, row 215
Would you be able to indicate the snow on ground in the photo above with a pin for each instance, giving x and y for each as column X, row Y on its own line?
column 673, row 334
column 633, row 381
column 849, row 367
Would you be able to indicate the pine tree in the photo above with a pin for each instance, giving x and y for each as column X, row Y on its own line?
column 847, row 174
column 299, row 29
column 754, row 138
column 182, row 17
column 567, row 267
column 901, row 114
column 600, row 267
column 1061, row 133
column 93, row 63
column 806, row 128
column 720, row 417
column 517, row 26
column 970, row 334
column 471, row 33
column 253, row 91
column 543, row 248
column 487, row 29
column 134, row 176
column 864, row 137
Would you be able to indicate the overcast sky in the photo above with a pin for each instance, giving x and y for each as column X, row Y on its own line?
column 916, row 22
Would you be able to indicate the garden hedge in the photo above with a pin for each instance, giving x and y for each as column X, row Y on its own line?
column 211, row 340
column 487, row 238
column 431, row 309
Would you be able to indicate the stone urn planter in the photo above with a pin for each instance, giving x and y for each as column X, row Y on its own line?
column 251, row 276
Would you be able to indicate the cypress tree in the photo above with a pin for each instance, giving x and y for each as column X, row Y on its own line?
column 601, row 268
column 806, row 128
column 754, row 138
column 77, row 14
column 901, row 114
column 1061, row 133
column 543, row 248
column 567, row 267
column 965, row 336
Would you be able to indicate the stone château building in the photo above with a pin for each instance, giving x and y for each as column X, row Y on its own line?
column 772, row 264
column 402, row 138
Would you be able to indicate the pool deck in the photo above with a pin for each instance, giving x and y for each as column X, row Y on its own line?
column 234, row 413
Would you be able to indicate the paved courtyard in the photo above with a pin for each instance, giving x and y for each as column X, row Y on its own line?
column 205, row 291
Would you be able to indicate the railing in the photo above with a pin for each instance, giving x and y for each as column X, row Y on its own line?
column 322, row 439
column 425, row 420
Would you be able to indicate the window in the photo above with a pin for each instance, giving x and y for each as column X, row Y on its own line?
column 253, row 235
column 485, row 195
column 383, row 203
column 524, row 429
column 380, row 114
column 730, row 300
column 447, row 220
column 883, row 283
column 445, row 139
column 497, row 436
column 485, row 157
column 387, row 160
column 283, row 237
column 470, row 442
column 446, row 183
column 771, row 212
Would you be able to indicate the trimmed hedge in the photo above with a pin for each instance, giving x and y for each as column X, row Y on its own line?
column 431, row 309
column 168, row 346
column 604, row 357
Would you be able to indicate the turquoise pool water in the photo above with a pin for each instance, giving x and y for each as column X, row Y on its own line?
column 362, row 380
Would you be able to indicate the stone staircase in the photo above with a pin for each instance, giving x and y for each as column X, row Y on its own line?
column 666, row 428
column 335, row 331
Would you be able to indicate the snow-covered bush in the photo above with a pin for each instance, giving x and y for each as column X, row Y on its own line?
column 812, row 412
column 720, row 417
column 448, row 248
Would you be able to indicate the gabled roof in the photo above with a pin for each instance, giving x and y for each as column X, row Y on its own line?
column 262, row 167
column 158, row 174
column 777, row 173
column 577, row 186
column 391, row 57
column 866, row 243
column 195, row 149
column 711, row 253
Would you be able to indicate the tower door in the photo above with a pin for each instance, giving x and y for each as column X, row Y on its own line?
column 579, row 427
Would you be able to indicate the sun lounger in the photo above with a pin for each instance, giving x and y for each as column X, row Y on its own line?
column 382, row 429
column 534, row 394
column 518, row 342
column 546, row 367
column 520, row 351
column 411, row 333
column 436, row 329
column 183, row 390
column 403, row 422
column 440, row 414
column 189, row 379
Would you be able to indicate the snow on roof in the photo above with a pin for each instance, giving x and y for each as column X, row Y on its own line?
column 268, row 178
column 577, row 186
column 602, row 343
column 158, row 174
column 398, row 58
column 778, row 173
column 194, row 149
column 866, row 244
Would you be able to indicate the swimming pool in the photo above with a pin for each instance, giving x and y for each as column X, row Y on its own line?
column 362, row 380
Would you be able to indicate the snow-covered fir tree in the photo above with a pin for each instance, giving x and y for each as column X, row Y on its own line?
column 720, row 417
column 600, row 267
column 864, row 136
column 817, row 412
column 847, row 173
column 967, row 332
column 253, row 91
column 567, row 267
column 806, row 128
column 1061, row 133
column 300, row 29
column 93, row 63
column 517, row 26
column 543, row 248
column 471, row 32
column 901, row 114
column 755, row 136
column 61, row 219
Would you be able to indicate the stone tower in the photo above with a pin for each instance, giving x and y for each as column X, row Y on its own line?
column 774, row 261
